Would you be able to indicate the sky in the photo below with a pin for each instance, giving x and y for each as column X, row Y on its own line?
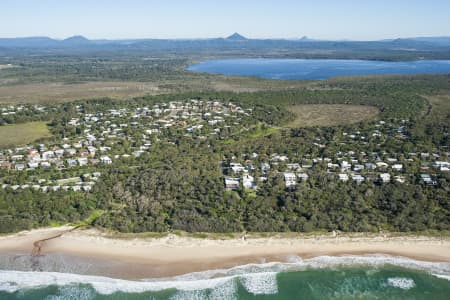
column 320, row 19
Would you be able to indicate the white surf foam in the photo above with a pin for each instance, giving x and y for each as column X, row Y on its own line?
column 446, row 277
column 401, row 282
column 227, row 290
column 221, row 283
column 72, row 293
column 261, row 283
column 11, row 281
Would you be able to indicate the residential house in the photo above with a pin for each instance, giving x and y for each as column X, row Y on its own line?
column 105, row 160
column 385, row 177
column 248, row 182
column 290, row 179
column 231, row 183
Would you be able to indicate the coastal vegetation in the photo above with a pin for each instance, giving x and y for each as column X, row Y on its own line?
column 178, row 183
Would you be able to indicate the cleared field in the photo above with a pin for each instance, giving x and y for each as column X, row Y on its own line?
column 21, row 134
column 55, row 92
column 11, row 92
column 330, row 114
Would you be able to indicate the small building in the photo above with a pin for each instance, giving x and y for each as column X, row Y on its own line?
column 385, row 177
column 265, row 167
column 426, row 178
column 105, row 160
column 358, row 168
column 82, row 161
column 345, row 166
column 302, row 176
column 19, row 167
column 231, row 183
column 71, row 162
column 357, row 178
column 343, row 177
column 290, row 179
column 397, row 167
column 248, row 182
column 370, row 166
column 237, row 168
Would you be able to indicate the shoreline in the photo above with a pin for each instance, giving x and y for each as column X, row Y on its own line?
column 172, row 255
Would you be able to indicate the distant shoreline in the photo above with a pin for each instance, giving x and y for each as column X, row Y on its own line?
column 134, row 258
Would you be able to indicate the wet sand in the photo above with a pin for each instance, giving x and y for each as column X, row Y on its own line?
column 174, row 255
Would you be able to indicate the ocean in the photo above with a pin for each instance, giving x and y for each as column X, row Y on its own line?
column 317, row 69
column 323, row 277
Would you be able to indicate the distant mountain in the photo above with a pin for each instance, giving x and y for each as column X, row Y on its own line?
column 77, row 40
column 412, row 48
column 28, row 42
column 440, row 40
column 236, row 37
column 307, row 39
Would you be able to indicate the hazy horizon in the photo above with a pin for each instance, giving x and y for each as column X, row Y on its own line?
column 200, row 19
column 206, row 38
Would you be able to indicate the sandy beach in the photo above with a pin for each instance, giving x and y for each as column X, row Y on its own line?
column 174, row 255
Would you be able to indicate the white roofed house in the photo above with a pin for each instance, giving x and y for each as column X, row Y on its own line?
column 248, row 182
column 237, row 167
column 345, row 166
column 381, row 165
column 357, row 178
column 45, row 164
column 397, row 167
column 290, row 179
column 71, row 162
column 82, row 161
column 385, row 177
column 443, row 166
column 231, row 183
column 71, row 151
column 265, row 167
column 59, row 152
column 33, row 164
column 105, row 159
column 343, row 177
column 19, row 167
column 92, row 150
column 302, row 176
column 48, row 155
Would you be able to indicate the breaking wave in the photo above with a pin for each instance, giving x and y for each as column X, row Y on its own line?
column 257, row 279
column 402, row 283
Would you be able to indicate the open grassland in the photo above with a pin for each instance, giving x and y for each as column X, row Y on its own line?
column 21, row 134
column 48, row 92
column 57, row 92
column 330, row 114
column 439, row 105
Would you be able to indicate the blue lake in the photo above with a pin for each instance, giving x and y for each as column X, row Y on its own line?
column 314, row 69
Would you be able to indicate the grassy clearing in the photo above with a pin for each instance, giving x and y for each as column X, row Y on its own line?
column 61, row 92
column 256, row 132
column 22, row 134
column 330, row 114
column 440, row 105
column 49, row 92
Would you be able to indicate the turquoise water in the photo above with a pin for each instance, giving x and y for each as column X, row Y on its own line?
column 312, row 69
column 346, row 277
